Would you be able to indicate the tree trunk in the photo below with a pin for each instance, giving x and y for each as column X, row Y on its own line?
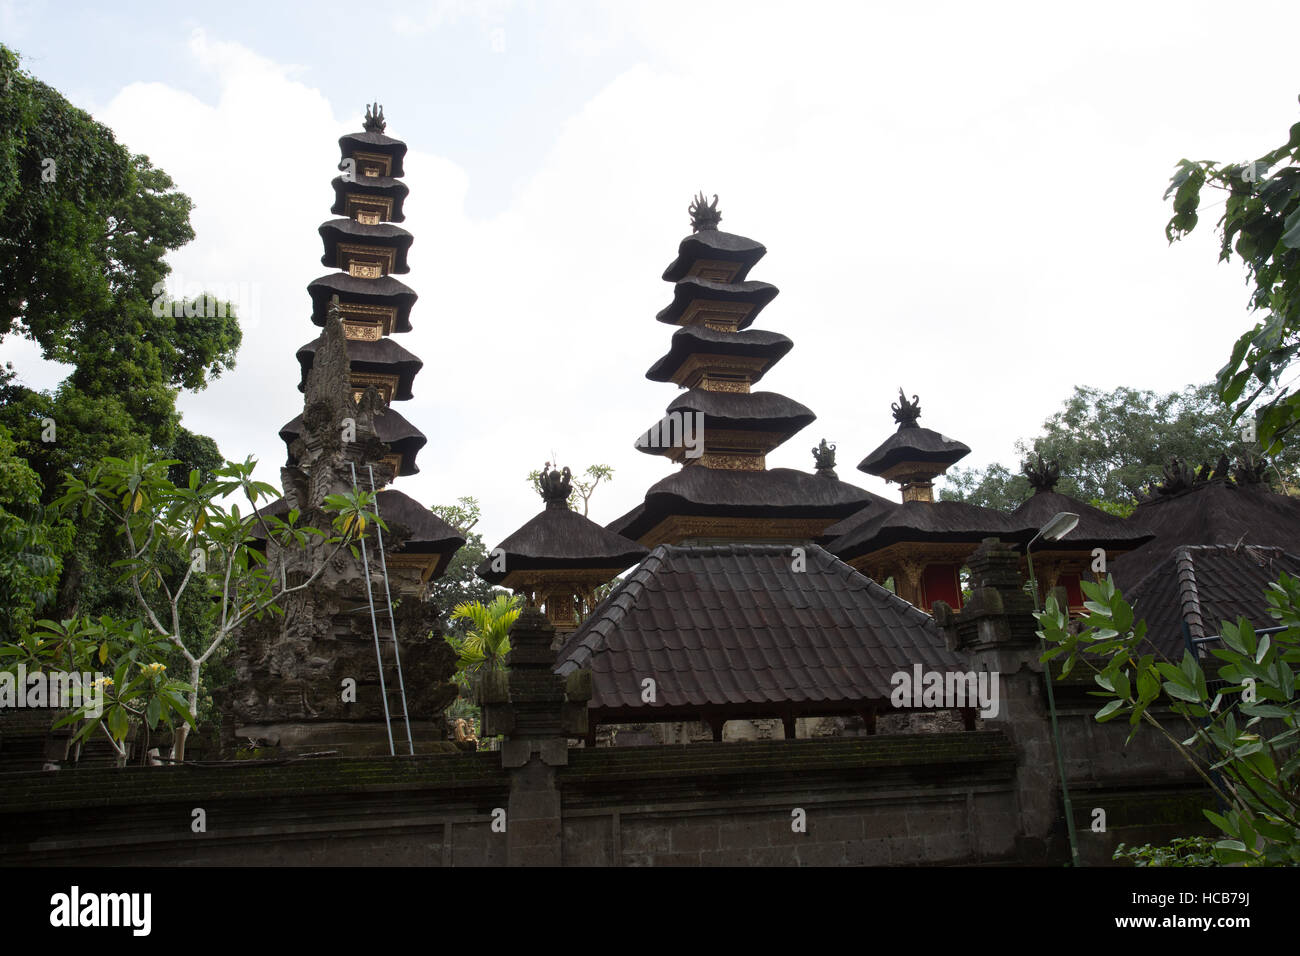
column 183, row 731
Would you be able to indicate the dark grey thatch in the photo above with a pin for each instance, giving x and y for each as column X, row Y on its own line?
column 375, row 143
column 424, row 531
column 384, row 357
column 560, row 538
column 379, row 186
column 739, row 411
column 1212, row 512
column 385, row 234
column 688, row 290
column 1202, row 586
column 394, row 430
column 1096, row 528
column 384, row 290
column 736, row 627
column 913, row 443
column 775, row 493
column 876, row 504
column 712, row 244
column 941, row 521
column 699, row 339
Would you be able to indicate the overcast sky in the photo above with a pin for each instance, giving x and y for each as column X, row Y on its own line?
column 961, row 199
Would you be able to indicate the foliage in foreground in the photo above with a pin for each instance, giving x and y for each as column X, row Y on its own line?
column 1184, row 851
column 1241, row 721
column 1261, row 224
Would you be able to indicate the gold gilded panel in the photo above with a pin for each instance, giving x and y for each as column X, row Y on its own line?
column 707, row 311
column 714, row 270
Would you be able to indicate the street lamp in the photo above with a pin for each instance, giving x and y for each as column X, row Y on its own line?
column 1056, row 529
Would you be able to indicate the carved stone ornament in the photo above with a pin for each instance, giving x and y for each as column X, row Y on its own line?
column 374, row 122
column 704, row 214
column 906, row 413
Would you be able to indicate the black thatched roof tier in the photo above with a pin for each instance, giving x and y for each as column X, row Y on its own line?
column 375, row 143
column 428, row 534
column 736, row 626
column 384, row 357
column 560, row 539
column 710, row 244
column 385, row 290
column 734, row 411
column 1096, row 528
column 1212, row 512
column 937, row 521
column 774, row 493
column 385, row 234
column 913, row 443
column 384, row 187
column 701, row 340
column 394, row 430
column 875, row 505
column 1205, row 585
column 686, row 291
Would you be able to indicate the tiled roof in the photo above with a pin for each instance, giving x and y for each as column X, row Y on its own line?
column 737, row 625
column 1206, row 585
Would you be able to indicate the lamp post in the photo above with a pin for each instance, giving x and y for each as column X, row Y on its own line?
column 1060, row 525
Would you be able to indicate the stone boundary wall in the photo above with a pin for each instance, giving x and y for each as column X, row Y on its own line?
column 888, row 800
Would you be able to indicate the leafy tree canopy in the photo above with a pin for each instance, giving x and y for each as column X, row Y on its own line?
column 1261, row 224
column 1110, row 445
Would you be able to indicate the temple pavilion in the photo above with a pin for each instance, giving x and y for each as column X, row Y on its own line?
column 558, row 559
column 737, row 614
column 922, row 543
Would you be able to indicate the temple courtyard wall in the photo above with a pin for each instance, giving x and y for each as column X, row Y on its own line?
column 964, row 798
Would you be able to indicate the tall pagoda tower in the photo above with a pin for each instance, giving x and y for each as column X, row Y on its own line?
column 719, row 430
column 292, row 673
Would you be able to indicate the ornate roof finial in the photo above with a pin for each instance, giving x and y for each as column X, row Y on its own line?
column 375, row 119
column 1178, row 476
column 1249, row 470
column 332, row 312
column 824, row 456
column 704, row 214
column 1042, row 475
column 554, row 487
column 906, row 413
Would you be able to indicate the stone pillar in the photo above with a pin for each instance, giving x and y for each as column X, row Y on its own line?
column 997, row 630
column 537, row 711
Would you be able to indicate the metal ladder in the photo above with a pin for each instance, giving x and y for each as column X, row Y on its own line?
column 392, row 624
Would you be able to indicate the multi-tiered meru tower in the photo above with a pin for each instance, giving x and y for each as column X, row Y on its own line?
column 312, row 680
column 719, row 429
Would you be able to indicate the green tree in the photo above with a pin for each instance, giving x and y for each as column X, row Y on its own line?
column 1110, row 445
column 84, row 231
column 1261, row 225
column 161, row 521
column 31, row 542
column 460, row 584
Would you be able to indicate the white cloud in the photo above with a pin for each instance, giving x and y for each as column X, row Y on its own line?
column 967, row 205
